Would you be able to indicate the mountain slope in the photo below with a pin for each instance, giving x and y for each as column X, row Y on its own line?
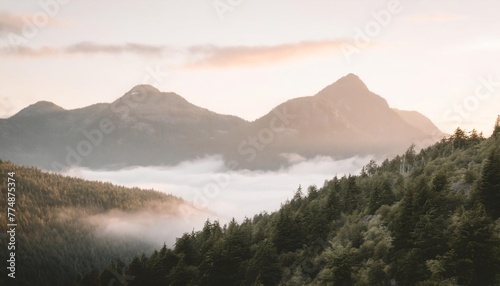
column 39, row 108
column 418, row 120
column 143, row 127
column 156, row 128
column 344, row 119
column 65, row 225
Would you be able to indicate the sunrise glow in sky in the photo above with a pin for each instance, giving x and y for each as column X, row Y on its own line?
column 244, row 57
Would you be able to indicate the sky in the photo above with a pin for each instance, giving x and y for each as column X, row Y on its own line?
column 244, row 57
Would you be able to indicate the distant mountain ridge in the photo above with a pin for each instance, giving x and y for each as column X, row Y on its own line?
column 149, row 127
column 418, row 120
column 344, row 119
column 39, row 108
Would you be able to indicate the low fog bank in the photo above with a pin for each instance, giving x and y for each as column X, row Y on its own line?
column 216, row 193
column 154, row 227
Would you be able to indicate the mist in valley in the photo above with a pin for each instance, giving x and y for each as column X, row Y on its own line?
column 211, row 192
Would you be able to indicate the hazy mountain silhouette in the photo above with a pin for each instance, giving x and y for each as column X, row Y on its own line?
column 39, row 108
column 344, row 119
column 149, row 127
column 418, row 120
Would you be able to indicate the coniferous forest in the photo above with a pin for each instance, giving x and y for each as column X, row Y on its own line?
column 426, row 218
column 422, row 218
column 56, row 241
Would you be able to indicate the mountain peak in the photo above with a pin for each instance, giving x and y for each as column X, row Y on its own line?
column 147, row 102
column 145, row 87
column 39, row 108
column 348, row 86
column 350, row 76
column 351, row 81
column 145, row 94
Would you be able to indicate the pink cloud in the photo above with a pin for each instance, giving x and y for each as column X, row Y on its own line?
column 210, row 56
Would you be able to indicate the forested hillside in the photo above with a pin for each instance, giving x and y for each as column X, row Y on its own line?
column 426, row 218
column 56, row 242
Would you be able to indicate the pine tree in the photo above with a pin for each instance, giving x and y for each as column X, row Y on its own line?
column 381, row 194
column 475, row 248
column 496, row 131
column 404, row 222
column 181, row 275
column 350, row 194
column 288, row 235
column 333, row 205
column 459, row 138
column 186, row 245
column 489, row 190
column 264, row 267
column 439, row 181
